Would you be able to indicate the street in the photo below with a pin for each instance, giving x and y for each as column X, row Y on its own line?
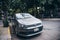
column 26, row 18
column 4, row 32
column 51, row 31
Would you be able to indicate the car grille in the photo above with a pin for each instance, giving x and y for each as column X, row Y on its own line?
column 31, row 31
column 34, row 25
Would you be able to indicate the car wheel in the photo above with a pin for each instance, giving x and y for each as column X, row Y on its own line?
column 16, row 31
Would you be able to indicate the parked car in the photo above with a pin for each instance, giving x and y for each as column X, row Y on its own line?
column 27, row 25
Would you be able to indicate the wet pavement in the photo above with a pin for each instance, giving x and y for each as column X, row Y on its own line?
column 4, row 33
column 51, row 31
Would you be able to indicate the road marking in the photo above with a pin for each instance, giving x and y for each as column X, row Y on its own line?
column 9, row 32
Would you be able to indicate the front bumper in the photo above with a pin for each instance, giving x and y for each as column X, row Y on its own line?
column 31, row 32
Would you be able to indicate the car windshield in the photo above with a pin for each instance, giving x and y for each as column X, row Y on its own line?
column 26, row 15
column 18, row 16
column 23, row 16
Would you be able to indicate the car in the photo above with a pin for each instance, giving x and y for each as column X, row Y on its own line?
column 27, row 25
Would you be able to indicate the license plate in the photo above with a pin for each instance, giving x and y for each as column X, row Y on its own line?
column 36, row 29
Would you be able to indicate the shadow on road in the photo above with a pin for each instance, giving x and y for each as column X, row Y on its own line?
column 27, row 38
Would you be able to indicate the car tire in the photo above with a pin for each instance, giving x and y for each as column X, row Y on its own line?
column 16, row 31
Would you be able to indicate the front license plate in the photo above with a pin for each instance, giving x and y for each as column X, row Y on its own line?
column 36, row 29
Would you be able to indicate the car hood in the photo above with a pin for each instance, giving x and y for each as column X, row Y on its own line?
column 29, row 21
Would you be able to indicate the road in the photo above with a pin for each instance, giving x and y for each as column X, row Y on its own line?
column 4, row 33
column 51, row 31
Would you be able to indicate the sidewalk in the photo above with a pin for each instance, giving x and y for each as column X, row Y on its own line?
column 51, row 19
column 4, row 32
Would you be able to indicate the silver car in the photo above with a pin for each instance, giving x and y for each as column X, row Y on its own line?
column 27, row 25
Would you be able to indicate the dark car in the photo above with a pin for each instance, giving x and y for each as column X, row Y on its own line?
column 27, row 25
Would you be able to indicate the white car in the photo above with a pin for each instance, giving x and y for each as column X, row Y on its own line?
column 27, row 25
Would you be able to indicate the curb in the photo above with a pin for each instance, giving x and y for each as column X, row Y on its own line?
column 9, row 34
column 51, row 19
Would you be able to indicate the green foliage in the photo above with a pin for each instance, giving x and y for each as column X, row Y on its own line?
column 29, row 5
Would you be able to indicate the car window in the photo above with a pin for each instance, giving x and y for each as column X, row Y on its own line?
column 23, row 15
column 26, row 15
column 18, row 16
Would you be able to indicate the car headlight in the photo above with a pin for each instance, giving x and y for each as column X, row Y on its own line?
column 22, row 25
column 22, row 28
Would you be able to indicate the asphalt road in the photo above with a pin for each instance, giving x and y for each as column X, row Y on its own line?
column 4, row 33
column 51, row 31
